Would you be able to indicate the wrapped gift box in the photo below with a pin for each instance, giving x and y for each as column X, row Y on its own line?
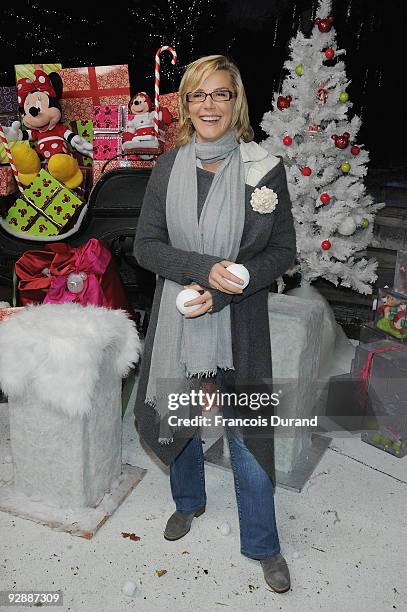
column 366, row 352
column 8, row 105
column 171, row 133
column 101, row 166
column 83, row 191
column 295, row 335
column 387, row 390
column 108, row 129
column 85, row 129
column 87, row 87
column 388, row 385
column 44, row 208
column 27, row 70
column 8, row 184
column 391, row 313
column 344, row 406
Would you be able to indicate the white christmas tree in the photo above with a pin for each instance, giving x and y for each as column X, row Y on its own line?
column 310, row 129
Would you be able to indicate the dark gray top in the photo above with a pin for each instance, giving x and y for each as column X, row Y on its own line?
column 267, row 249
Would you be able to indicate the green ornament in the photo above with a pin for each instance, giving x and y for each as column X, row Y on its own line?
column 365, row 223
column 299, row 69
column 344, row 96
column 345, row 167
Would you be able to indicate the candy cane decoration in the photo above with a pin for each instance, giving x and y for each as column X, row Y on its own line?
column 157, row 83
column 10, row 159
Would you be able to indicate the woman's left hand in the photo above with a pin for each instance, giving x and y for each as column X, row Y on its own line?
column 205, row 299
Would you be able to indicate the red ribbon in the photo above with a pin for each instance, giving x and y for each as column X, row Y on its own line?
column 92, row 258
column 94, row 92
column 366, row 370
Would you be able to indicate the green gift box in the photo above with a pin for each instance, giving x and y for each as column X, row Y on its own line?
column 44, row 209
column 27, row 70
column 84, row 129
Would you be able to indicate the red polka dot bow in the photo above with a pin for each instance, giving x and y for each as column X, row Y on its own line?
column 40, row 82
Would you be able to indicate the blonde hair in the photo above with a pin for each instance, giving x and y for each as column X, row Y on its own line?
column 193, row 76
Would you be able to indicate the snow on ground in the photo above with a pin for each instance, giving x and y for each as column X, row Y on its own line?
column 344, row 537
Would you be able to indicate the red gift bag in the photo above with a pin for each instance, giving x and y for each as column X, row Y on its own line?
column 59, row 273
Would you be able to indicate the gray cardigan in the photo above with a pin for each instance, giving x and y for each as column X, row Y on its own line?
column 267, row 249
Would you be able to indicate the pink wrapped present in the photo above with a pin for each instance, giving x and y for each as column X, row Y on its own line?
column 87, row 87
column 107, row 131
column 8, row 184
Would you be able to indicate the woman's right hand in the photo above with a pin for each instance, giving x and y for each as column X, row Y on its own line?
column 219, row 274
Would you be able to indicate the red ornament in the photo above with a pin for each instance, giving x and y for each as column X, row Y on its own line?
column 355, row 150
column 326, row 245
column 325, row 198
column 283, row 102
column 306, row 171
column 341, row 141
column 287, row 140
column 330, row 53
column 324, row 25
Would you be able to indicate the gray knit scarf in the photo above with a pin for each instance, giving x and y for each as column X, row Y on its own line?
column 186, row 348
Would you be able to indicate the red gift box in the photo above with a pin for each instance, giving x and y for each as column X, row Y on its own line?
column 100, row 166
column 171, row 101
column 8, row 184
column 86, row 87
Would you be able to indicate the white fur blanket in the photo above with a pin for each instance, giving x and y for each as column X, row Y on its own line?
column 52, row 352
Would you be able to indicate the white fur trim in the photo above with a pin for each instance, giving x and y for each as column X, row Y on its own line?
column 52, row 353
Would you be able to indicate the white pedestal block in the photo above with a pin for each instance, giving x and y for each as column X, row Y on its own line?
column 64, row 461
column 63, row 377
column 295, row 331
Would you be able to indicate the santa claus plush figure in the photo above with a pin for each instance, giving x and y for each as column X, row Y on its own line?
column 139, row 132
column 38, row 100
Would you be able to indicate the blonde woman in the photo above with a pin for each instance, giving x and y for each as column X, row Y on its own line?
column 200, row 214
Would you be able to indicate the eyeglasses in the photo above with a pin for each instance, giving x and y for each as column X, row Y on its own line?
column 219, row 95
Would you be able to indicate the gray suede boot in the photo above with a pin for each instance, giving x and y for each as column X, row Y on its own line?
column 179, row 524
column 276, row 573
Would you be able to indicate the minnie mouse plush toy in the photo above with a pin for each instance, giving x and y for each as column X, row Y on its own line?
column 38, row 100
column 139, row 132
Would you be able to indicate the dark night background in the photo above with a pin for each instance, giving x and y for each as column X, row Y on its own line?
column 254, row 33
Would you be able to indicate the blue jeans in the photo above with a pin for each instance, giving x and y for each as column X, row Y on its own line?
column 253, row 488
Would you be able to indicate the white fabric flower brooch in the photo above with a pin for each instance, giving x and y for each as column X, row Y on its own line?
column 264, row 200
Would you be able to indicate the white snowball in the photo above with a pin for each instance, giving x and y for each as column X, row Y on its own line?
column 185, row 296
column 240, row 271
column 295, row 555
column 225, row 529
column 8, row 458
column 129, row 588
